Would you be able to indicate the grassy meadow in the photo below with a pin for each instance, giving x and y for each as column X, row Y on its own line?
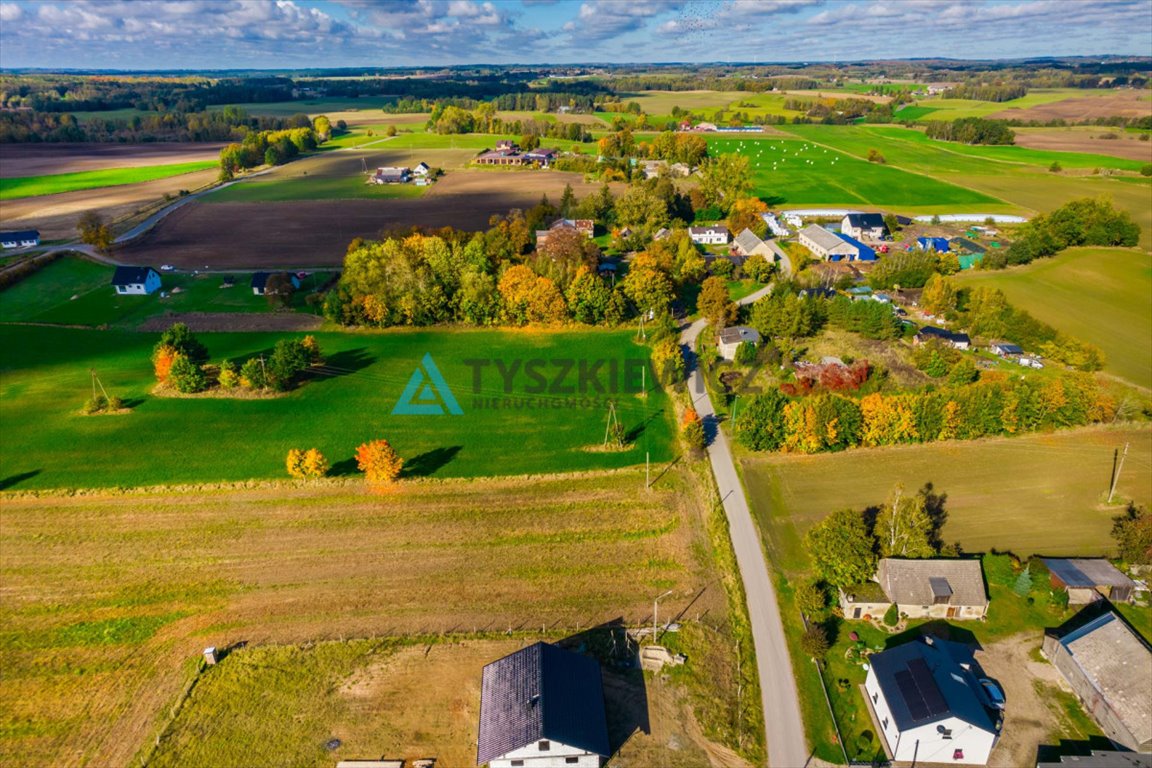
column 285, row 188
column 48, row 444
column 37, row 186
column 109, row 598
column 1099, row 295
column 1039, row 493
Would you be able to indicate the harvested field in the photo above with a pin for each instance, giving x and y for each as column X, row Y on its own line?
column 210, row 322
column 316, row 233
column 108, row 598
column 1125, row 103
column 17, row 160
column 56, row 215
column 1078, row 139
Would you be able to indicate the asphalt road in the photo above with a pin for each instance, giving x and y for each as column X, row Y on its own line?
column 784, row 730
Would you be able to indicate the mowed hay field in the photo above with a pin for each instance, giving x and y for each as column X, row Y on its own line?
column 108, row 600
column 1034, row 494
column 1100, row 295
column 164, row 440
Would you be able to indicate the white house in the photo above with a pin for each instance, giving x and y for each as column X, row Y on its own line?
column 730, row 340
column 136, row 280
column 421, row 170
column 793, row 220
column 542, row 707
column 20, row 239
column 928, row 705
column 825, row 244
column 709, row 235
column 864, row 226
column 774, row 225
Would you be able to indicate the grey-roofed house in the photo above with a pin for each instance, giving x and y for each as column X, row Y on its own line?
column 928, row 705
column 1088, row 579
column 930, row 588
column 747, row 243
column 730, row 339
column 1099, row 758
column 1110, row 669
column 825, row 244
column 135, row 281
column 540, row 707
column 1004, row 349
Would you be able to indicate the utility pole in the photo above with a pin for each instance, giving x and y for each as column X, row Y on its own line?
column 611, row 421
column 655, row 606
column 647, row 471
column 1116, row 477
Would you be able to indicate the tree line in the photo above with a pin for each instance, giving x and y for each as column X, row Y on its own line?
column 1087, row 221
column 971, row 130
column 228, row 124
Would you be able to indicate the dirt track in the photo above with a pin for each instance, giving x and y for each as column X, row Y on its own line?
column 316, row 233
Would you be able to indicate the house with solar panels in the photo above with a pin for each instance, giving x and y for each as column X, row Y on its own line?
column 928, row 704
column 542, row 707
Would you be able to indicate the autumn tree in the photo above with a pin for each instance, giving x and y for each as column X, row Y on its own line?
column 745, row 214
column 903, row 526
column 322, row 126
column 94, row 232
column 814, row 642
column 589, row 297
column 530, row 298
column 692, row 430
column 714, row 303
column 379, row 461
column 939, row 296
column 174, row 342
column 278, row 290
column 1133, row 534
column 811, row 598
column 309, row 464
column 668, row 361
column 295, row 463
column 725, row 179
column 228, row 377
column 563, row 254
column 254, row 374
column 758, row 268
column 840, row 546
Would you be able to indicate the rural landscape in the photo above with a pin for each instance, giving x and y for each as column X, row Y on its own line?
column 377, row 408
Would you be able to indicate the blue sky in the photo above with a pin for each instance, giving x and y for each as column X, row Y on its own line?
column 210, row 34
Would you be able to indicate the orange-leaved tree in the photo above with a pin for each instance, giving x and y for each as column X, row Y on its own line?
column 379, row 461
column 162, row 359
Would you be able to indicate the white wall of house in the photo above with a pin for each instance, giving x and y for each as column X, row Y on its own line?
column 151, row 284
column 860, row 233
column 557, row 755
column 960, row 743
column 709, row 238
column 943, row 611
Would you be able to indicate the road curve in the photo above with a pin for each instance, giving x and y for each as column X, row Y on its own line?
column 783, row 727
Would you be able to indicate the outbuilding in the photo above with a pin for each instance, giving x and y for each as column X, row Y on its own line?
column 135, row 281
column 1088, row 579
column 825, row 244
column 260, row 282
column 730, row 339
column 23, row 238
column 938, row 244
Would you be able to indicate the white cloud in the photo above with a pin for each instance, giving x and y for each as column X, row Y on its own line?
column 600, row 20
column 10, row 12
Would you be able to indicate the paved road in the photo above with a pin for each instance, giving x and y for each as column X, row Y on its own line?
column 784, row 730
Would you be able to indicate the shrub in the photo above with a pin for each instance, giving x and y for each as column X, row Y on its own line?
column 228, row 378
column 811, row 599
column 186, row 376
column 1146, row 170
column 114, row 403
column 814, row 642
column 892, row 616
column 94, row 405
column 746, row 353
column 379, row 461
column 295, row 463
column 694, row 437
column 252, row 374
column 1055, row 167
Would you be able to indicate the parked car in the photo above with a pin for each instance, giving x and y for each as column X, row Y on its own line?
column 167, row 268
column 993, row 693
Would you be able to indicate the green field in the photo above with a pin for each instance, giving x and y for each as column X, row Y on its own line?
column 37, row 186
column 1099, row 295
column 282, row 188
column 1032, row 494
column 47, row 444
column 313, row 106
column 951, row 109
column 794, row 171
column 75, row 291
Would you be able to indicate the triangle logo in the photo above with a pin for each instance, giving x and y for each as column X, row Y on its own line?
column 427, row 394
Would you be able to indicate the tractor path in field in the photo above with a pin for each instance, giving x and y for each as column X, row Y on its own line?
column 783, row 727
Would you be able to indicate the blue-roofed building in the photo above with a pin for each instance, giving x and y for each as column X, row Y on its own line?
column 20, row 239
column 542, row 706
column 863, row 252
column 938, row 244
column 928, row 704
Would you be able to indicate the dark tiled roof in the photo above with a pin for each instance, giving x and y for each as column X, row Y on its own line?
column 541, row 692
column 925, row 683
column 260, row 279
column 931, row 331
column 130, row 275
column 866, row 220
column 1101, row 759
column 19, row 236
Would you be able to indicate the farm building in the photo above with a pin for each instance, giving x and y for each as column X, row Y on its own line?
column 506, row 153
column 861, row 252
column 931, row 332
column 867, row 226
column 540, row 707
column 391, row 175
column 1003, row 349
column 715, row 235
column 1090, row 579
column 260, row 282
column 136, row 281
column 20, row 239
column 1110, row 669
column 824, row 244
column 747, row 244
column 421, row 170
column 586, row 227
column 542, row 157
column 730, row 339
column 774, row 225
column 925, row 700
column 938, row 244
column 939, row 589
column 1100, row 758
column 662, row 233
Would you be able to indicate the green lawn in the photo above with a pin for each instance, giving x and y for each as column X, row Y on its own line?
column 285, row 187
column 37, row 186
column 794, row 171
column 173, row 440
column 1099, row 295
column 75, row 291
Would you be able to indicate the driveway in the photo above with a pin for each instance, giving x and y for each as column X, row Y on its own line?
column 784, row 730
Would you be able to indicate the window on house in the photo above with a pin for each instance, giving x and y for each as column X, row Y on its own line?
column 885, row 723
column 517, row 763
column 571, row 760
column 875, row 698
column 544, row 746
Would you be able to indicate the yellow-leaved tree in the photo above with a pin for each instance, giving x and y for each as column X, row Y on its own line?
column 379, row 461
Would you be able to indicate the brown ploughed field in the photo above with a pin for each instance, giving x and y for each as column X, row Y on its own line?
column 19, row 160
column 1122, row 103
column 1081, row 139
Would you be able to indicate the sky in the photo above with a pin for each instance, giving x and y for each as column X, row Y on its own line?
column 271, row 34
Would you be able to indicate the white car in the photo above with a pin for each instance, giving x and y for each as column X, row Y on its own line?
column 167, row 268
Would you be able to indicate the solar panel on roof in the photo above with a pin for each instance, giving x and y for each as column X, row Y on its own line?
column 926, row 683
column 917, row 709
